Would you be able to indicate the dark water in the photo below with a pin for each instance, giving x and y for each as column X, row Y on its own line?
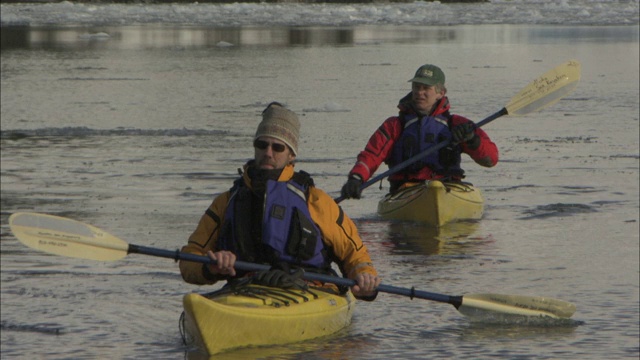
column 135, row 133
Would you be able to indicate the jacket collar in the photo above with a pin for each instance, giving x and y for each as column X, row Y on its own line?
column 285, row 175
column 406, row 106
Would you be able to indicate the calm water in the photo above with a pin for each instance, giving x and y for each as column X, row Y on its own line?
column 136, row 131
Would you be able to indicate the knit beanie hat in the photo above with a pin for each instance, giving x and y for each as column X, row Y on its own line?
column 280, row 123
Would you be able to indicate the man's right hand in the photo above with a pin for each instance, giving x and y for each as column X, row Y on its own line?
column 351, row 189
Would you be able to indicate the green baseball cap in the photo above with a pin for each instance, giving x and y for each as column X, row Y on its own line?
column 429, row 75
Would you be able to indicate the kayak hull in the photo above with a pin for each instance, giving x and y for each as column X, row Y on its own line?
column 257, row 316
column 434, row 202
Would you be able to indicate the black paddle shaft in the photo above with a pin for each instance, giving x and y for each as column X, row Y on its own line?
column 245, row 266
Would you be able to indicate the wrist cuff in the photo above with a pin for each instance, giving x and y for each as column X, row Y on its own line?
column 368, row 298
column 474, row 143
column 356, row 177
column 211, row 276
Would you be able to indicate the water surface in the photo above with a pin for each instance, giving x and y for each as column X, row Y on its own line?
column 135, row 132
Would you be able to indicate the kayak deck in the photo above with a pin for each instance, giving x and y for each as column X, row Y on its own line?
column 434, row 202
column 254, row 315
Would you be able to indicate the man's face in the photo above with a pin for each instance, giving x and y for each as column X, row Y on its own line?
column 271, row 153
column 425, row 97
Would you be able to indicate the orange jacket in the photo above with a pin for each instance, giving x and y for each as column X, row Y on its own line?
column 338, row 233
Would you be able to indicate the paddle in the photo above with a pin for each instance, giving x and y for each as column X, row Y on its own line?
column 544, row 91
column 67, row 237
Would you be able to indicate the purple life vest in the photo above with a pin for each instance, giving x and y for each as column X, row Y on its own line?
column 418, row 135
column 288, row 231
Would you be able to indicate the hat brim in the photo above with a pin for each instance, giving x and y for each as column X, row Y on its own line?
column 425, row 81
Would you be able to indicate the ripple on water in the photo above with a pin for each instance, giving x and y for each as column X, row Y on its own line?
column 557, row 210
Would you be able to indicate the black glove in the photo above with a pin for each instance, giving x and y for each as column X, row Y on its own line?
column 466, row 133
column 351, row 188
column 280, row 278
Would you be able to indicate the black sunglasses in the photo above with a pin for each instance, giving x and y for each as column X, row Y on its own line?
column 263, row 145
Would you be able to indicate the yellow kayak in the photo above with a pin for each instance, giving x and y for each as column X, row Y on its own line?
column 434, row 202
column 253, row 315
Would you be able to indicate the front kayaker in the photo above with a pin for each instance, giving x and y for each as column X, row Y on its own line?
column 424, row 121
column 276, row 216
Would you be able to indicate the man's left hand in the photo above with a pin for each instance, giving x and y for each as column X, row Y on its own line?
column 366, row 285
column 466, row 133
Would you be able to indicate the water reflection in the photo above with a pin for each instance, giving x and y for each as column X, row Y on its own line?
column 414, row 238
column 127, row 37
column 148, row 37
column 450, row 239
column 556, row 328
column 153, row 37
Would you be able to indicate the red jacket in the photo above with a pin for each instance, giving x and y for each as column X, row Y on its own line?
column 380, row 145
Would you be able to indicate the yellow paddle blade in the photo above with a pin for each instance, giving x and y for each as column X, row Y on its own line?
column 546, row 90
column 66, row 237
column 479, row 305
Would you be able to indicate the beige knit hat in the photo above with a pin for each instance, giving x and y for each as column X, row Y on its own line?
column 280, row 123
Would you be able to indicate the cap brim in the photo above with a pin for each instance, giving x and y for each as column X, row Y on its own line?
column 425, row 81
